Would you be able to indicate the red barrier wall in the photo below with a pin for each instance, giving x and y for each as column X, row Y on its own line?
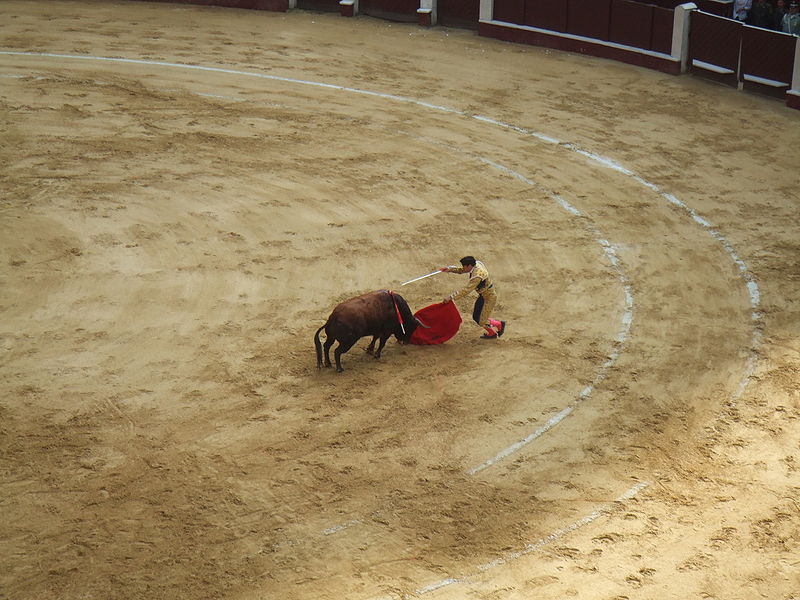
column 730, row 52
column 509, row 11
column 589, row 18
column 714, row 48
column 631, row 23
column 543, row 38
column 391, row 10
column 271, row 5
column 459, row 13
column 767, row 55
column 625, row 22
column 723, row 8
column 663, row 22
column 320, row 5
column 546, row 14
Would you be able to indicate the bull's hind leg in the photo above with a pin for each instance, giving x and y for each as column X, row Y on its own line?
column 326, row 347
column 341, row 349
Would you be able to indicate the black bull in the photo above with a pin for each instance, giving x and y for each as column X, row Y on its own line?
column 375, row 314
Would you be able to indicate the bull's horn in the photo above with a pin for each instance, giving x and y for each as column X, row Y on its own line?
column 421, row 324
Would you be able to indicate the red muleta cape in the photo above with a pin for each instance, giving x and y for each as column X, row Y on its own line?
column 443, row 321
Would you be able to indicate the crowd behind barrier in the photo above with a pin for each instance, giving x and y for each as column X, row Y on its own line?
column 769, row 14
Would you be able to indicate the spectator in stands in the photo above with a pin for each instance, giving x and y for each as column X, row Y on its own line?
column 741, row 8
column 791, row 20
column 777, row 14
column 761, row 14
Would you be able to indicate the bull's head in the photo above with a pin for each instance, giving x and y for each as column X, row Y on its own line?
column 410, row 328
column 409, row 321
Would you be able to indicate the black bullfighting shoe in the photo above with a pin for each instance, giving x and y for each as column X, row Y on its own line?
column 502, row 329
column 486, row 336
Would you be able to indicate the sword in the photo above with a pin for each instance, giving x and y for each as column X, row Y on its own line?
column 423, row 277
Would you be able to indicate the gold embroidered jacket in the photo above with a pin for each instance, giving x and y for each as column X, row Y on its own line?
column 479, row 280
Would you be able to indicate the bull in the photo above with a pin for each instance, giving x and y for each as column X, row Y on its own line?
column 380, row 314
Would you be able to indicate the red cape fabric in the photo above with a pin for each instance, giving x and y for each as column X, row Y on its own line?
column 443, row 321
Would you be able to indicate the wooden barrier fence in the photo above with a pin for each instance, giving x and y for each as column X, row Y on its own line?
column 736, row 54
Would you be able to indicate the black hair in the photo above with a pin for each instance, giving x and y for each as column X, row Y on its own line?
column 468, row 260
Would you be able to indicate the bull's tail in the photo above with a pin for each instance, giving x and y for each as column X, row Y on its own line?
column 318, row 346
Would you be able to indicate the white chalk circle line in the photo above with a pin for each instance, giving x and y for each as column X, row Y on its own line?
column 749, row 279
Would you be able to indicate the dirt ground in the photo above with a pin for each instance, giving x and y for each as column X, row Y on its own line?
column 178, row 223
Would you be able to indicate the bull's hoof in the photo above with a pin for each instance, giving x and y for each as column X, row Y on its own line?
column 377, row 356
column 340, row 370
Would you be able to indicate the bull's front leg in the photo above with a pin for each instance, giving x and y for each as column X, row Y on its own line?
column 377, row 354
column 371, row 348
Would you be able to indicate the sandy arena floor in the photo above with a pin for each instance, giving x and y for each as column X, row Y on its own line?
column 187, row 192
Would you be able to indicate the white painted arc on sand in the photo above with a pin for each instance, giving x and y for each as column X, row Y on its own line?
column 626, row 321
column 607, row 247
column 532, row 546
column 751, row 283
